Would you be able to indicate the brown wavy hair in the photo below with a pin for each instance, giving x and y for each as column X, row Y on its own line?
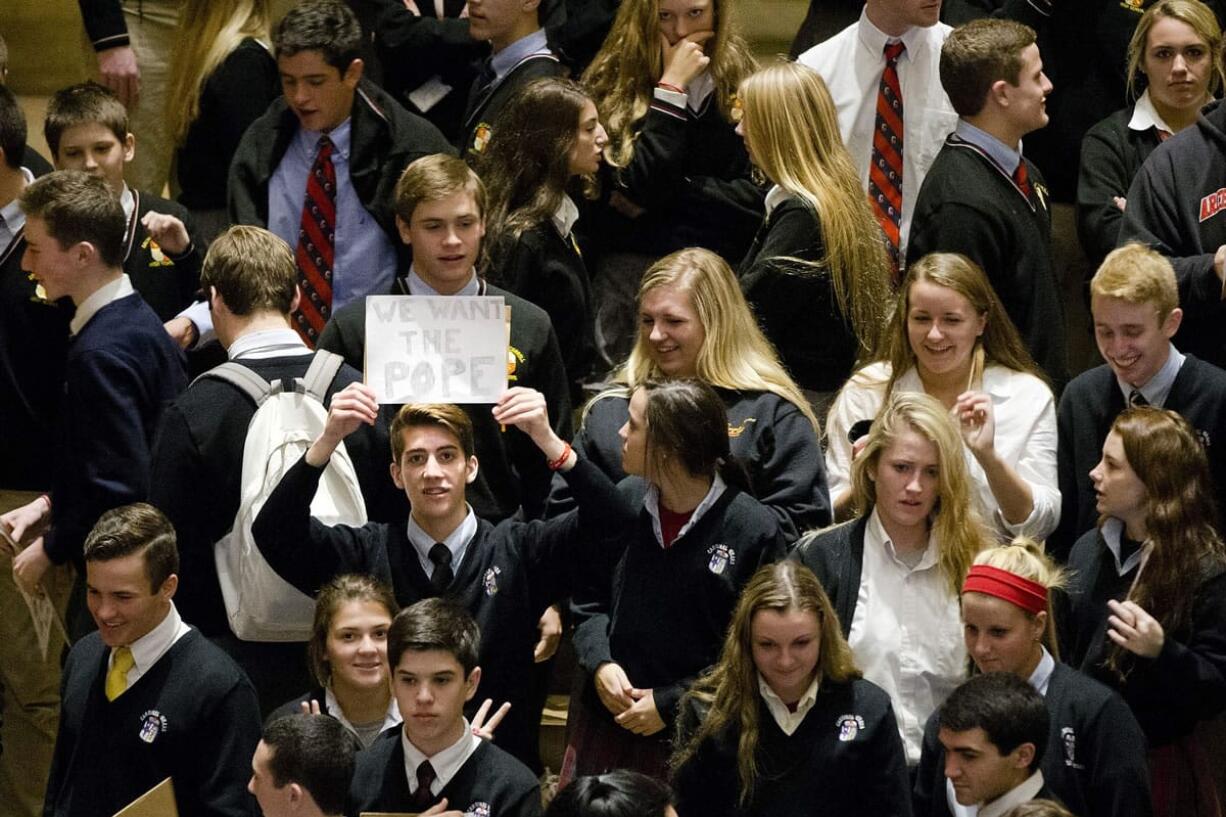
column 729, row 691
column 1181, row 516
column 332, row 596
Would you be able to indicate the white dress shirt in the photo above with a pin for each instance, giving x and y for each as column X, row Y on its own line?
column 456, row 542
column 446, row 763
column 652, row 503
column 851, row 62
column 150, row 647
column 1024, row 792
column 906, row 633
column 1025, row 413
column 789, row 721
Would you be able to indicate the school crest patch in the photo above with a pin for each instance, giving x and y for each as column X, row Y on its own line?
column 514, row 358
column 721, row 557
column 490, row 582
column 736, row 431
column 1069, row 738
column 153, row 723
column 481, row 137
column 849, row 726
column 478, row 809
column 155, row 252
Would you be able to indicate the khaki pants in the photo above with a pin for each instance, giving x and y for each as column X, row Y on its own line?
column 151, row 30
column 29, row 685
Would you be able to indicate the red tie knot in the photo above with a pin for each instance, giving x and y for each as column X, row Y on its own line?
column 894, row 50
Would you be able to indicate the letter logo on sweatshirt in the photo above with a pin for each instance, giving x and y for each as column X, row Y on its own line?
column 721, row 557
column 490, row 581
column 1212, row 204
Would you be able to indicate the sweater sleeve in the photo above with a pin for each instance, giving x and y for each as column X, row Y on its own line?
column 548, row 376
column 1103, row 176
column 1194, row 672
column 886, row 787
column 104, row 23
column 788, row 474
column 1117, row 764
column 304, row 551
column 110, row 457
column 1154, row 217
column 218, row 784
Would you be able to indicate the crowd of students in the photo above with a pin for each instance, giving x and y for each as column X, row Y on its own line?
column 793, row 450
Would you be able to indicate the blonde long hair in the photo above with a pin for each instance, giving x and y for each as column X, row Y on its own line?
column 955, row 522
column 792, row 129
column 1192, row 13
column 208, row 32
column 730, row 690
column 625, row 71
column 735, row 355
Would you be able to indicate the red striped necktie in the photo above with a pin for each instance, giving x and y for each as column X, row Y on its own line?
column 885, row 175
column 316, row 245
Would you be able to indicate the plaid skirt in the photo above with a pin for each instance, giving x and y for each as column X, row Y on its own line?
column 1182, row 780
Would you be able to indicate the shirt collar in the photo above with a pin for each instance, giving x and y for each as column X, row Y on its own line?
column 874, row 534
column 875, row 40
column 12, row 217
column 1041, row 677
column 456, row 541
column 1024, row 792
column 652, row 503
column 1112, row 531
column 565, row 216
column 128, row 200
column 700, row 88
column 505, row 60
column 416, row 285
column 268, row 343
column 121, row 287
column 788, row 720
column 775, row 197
column 446, row 763
column 1157, row 388
column 1006, row 158
column 334, row 709
column 151, row 646
column 308, row 140
column 1146, row 116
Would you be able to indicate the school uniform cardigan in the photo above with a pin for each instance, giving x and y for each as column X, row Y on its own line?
column 509, row 574
column 836, row 557
column 691, row 174
column 968, row 205
column 1186, row 682
column 192, row 717
column 769, row 435
column 795, row 303
column 663, row 615
column 1087, row 409
column 491, row 783
column 33, row 347
column 845, row 758
column 481, row 112
column 1095, row 760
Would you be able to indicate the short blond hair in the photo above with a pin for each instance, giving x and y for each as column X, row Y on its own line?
column 1139, row 275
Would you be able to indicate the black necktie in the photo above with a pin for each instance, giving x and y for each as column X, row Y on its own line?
column 423, row 798
column 481, row 88
column 441, row 578
column 1135, row 398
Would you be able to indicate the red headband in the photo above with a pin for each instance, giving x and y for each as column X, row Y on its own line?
column 1028, row 595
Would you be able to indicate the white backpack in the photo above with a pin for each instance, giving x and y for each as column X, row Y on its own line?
column 289, row 416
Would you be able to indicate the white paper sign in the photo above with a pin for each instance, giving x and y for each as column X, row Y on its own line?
column 449, row 349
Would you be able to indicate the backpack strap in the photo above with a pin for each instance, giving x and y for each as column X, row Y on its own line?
column 320, row 374
column 242, row 378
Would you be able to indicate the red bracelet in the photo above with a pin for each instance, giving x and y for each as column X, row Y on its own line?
column 668, row 86
column 556, row 465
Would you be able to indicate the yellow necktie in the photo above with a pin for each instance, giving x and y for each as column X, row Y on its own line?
column 117, row 677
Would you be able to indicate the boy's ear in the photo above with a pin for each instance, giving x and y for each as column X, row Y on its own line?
column 353, row 73
column 129, row 147
column 402, row 227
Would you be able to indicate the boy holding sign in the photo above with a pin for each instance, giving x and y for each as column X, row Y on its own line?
column 440, row 207
column 505, row 575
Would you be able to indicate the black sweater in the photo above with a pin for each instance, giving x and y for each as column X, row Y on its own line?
column 1186, row 682
column 691, row 174
column 513, row 474
column 1095, row 761
column 33, row 347
column 200, row 445
column 236, row 94
column 1111, row 155
column 192, row 717
column 845, row 758
column 490, row 782
column 769, row 435
column 795, row 303
column 836, row 557
column 663, row 615
column 481, row 110
column 545, row 268
column 510, row 573
column 1177, row 205
column 968, row 205
column 1090, row 405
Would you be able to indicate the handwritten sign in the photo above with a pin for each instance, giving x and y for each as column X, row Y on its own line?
column 449, row 349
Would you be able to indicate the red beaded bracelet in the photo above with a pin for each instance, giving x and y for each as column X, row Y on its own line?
column 556, row 465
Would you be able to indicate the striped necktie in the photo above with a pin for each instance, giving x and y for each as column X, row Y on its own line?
column 885, row 174
column 316, row 245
